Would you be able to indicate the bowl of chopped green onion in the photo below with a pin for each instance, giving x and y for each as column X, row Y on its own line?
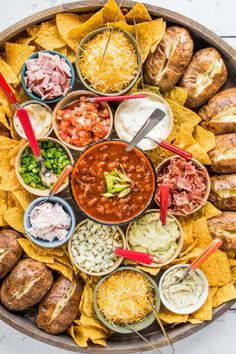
column 56, row 156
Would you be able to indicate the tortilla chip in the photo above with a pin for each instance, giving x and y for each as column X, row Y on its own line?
column 64, row 259
column 10, row 182
column 23, row 197
column 204, row 138
column 177, row 94
column 10, row 201
column 158, row 28
column 111, row 12
column 31, row 252
column 22, row 96
column 14, row 218
column 232, row 262
column 3, row 118
column 193, row 321
column 205, row 312
column 48, row 37
column 187, row 227
column 67, row 21
column 139, row 12
column 8, row 72
column 233, row 274
column 87, row 321
column 186, row 142
column 201, row 233
column 169, row 317
column 144, row 39
column 100, row 341
column 78, row 336
column 76, row 34
column 86, row 303
column 24, row 40
column 189, row 256
column 152, row 271
column 188, row 249
column 33, row 30
column 3, row 207
column 124, row 26
column 183, row 117
column 61, row 268
column 216, row 269
column 224, row 293
column 17, row 54
column 209, row 211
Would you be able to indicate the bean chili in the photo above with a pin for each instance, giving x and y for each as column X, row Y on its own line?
column 89, row 183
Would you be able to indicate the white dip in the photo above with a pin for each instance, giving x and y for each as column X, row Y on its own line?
column 49, row 221
column 40, row 117
column 132, row 114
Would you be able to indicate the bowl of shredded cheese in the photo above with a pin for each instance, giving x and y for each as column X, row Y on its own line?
column 108, row 61
column 123, row 298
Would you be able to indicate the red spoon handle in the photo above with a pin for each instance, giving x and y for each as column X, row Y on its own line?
column 134, row 256
column 6, row 88
column 175, row 150
column 26, row 124
column 164, row 197
column 118, row 98
column 214, row 245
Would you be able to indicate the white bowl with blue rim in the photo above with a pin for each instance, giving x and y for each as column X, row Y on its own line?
column 67, row 208
column 33, row 95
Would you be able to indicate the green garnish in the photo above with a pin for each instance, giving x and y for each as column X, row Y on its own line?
column 117, row 182
column 55, row 158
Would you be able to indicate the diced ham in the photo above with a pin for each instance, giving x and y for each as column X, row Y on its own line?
column 48, row 76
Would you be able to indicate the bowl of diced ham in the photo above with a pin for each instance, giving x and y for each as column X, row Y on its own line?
column 188, row 182
column 47, row 76
column 78, row 122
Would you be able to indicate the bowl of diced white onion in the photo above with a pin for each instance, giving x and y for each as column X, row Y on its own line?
column 92, row 247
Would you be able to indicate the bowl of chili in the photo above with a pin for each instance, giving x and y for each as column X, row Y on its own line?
column 112, row 186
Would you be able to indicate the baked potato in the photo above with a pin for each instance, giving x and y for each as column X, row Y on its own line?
column 167, row 64
column 26, row 285
column 223, row 156
column 219, row 114
column 204, row 76
column 224, row 227
column 10, row 250
column 223, row 192
column 60, row 307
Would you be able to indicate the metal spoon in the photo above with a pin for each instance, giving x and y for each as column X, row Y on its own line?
column 155, row 118
column 47, row 176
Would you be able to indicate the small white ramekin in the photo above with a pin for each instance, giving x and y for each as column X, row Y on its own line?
column 189, row 309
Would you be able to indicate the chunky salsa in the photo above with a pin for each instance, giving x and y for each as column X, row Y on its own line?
column 112, row 185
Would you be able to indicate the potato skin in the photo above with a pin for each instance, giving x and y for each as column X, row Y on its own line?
column 12, row 250
column 25, row 272
column 200, row 64
column 223, row 142
column 175, row 65
column 225, row 221
column 223, row 182
column 69, row 312
column 218, row 103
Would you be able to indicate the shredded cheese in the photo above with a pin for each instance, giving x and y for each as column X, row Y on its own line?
column 119, row 65
column 123, row 297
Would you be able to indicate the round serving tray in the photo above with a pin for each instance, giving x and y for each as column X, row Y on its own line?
column 118, row 343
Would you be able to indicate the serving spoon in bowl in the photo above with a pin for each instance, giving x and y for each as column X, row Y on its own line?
column 47, row 177
column 155, row 118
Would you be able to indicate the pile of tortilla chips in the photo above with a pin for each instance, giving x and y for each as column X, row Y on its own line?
column 63, row 34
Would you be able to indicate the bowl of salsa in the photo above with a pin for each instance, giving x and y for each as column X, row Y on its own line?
column 111, row 185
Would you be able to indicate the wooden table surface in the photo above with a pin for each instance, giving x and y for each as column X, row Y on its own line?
column 218, row 16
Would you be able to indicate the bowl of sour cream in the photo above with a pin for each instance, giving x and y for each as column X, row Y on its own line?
column 132, row 114
column 40, row 115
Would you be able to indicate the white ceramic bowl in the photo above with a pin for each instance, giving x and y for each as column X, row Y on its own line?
column 159, row 101
column 105, row 272
column 46, row 131
column 188, row 309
